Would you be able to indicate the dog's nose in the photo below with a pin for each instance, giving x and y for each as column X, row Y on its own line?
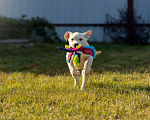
column 76, row 44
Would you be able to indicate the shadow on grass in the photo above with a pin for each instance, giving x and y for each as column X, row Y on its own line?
column 47, row 59
column 40, row 59
column 121, row 89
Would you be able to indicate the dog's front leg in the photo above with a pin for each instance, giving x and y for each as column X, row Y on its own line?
column 86, row 71
column 75, row 73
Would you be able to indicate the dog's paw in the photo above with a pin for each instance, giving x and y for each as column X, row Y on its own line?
column 98, row 52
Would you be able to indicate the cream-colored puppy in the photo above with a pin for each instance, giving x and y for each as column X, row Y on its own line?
column 86, row 60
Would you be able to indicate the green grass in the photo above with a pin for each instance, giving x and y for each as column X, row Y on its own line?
column 35, row 83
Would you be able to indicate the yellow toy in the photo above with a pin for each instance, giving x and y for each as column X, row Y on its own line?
column 76, row 61
column 67, row 46
column 78, row 46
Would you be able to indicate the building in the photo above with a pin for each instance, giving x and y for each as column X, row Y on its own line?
column 74, row 15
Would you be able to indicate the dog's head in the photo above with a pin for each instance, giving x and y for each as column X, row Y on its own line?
column 77, row 38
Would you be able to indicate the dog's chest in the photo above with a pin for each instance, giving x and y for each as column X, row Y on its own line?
column 83, row 58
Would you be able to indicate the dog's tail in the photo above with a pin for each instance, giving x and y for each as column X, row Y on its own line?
column 98, row 52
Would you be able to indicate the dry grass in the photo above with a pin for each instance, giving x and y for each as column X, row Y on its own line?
column 36, row 84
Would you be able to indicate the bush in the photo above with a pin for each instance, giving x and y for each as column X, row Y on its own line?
column 123, row 31
column 35, row 29
column 11, row 28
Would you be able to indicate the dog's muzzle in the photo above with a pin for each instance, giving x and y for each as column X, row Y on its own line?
column 75, row 45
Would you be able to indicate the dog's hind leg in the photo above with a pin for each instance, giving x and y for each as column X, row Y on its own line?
column 75, row 74
column 86, row 71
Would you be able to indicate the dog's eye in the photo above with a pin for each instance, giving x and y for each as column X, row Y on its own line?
column 72, row 39
column 80, row 39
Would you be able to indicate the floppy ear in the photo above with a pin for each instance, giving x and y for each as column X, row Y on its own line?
column 88, row 33
column 67, row 35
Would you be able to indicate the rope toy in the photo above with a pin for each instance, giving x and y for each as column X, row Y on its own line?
column 90, row 50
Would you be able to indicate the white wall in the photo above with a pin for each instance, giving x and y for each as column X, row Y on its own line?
column 72, row 11
column 143, row 8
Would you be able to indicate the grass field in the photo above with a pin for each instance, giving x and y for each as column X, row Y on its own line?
column 35, row 83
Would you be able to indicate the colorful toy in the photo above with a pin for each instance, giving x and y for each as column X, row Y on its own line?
column 90, row 50
column 76, row 59
column 67, row 46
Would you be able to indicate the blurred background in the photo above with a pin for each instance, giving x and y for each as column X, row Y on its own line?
column 126, row 21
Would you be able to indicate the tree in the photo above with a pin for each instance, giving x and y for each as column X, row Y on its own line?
column 127, row 30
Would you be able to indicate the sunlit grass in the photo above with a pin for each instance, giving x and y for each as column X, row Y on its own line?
column 35, row 84
column 109, row 95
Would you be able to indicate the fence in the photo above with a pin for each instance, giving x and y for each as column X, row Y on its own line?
column 74, row 15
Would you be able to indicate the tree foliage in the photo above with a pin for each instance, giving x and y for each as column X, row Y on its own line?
column 35, row 29
column 126, row 30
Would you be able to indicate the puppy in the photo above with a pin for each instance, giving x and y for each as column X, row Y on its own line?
column 86, row 60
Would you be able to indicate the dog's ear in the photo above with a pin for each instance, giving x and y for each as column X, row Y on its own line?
column 67, row 35
column 88, row 33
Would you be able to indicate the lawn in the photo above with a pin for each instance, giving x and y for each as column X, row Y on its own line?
column 35, row 83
